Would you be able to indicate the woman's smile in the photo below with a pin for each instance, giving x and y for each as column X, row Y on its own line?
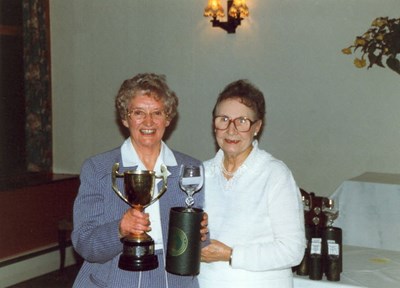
column 229, row 141
column 148, row 131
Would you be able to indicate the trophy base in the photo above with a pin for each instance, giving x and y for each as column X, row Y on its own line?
column 138, row 255
column 144, row 263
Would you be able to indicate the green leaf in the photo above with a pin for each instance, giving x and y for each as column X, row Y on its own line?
column 373, row 59
column 393, row 64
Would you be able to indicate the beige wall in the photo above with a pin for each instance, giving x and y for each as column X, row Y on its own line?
column 328, row 120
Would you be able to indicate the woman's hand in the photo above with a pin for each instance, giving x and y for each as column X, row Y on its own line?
column 216, row 251
column 134, row 222
column 204, row 227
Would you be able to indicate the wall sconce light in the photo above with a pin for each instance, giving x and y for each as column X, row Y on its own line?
column 237, row 10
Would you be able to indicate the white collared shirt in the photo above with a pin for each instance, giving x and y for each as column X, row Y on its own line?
column 130, row 158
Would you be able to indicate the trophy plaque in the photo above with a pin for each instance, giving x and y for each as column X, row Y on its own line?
column 138, row 249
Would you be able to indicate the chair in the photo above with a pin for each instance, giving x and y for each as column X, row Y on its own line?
column 64, row 233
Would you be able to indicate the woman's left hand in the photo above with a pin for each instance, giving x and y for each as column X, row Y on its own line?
column 204, row 227
column 216, row 251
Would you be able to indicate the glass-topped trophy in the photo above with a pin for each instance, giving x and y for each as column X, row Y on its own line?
column 139, row 186
column 184, row 248
column 332, row 242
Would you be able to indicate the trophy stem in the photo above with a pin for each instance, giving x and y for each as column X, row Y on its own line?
column 138, row 237
column 138, row 207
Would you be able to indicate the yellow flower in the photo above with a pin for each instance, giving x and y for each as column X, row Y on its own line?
column 379, row 37
column 386, row 50
column 346, row 51
column 378, row 22
column 359, row 41
column 359, row 63
column 367, row 35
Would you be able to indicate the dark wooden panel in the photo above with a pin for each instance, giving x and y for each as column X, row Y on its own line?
column 29, row 215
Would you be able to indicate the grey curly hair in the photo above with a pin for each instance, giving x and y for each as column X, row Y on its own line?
column 151, row 84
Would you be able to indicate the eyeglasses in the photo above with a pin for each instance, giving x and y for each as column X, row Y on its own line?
column 242, row 124
column 140, row 115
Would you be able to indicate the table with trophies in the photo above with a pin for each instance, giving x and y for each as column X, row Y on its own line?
column 362, row 267
column 329, row 263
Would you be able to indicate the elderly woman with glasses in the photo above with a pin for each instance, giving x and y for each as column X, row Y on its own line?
column 146, row 106
column 253, row 203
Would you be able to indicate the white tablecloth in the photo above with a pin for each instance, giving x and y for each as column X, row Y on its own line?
column 362, row 267
column 369, row 211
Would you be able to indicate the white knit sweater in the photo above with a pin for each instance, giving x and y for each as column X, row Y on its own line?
column 259, row 214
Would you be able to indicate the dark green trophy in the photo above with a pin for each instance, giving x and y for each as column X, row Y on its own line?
column 184, row 239
column 332, row 243
column 138, row 250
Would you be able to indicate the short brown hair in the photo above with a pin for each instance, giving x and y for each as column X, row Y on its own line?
column 247, row 93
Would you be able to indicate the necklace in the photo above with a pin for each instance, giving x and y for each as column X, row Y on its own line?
column 226, row 172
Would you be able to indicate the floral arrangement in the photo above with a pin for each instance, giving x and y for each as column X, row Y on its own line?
column 381, row 41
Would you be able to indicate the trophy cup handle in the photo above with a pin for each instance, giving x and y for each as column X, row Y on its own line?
column 164, row 175
column 114, row 175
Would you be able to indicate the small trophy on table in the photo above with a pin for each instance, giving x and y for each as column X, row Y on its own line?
column 184, row 248
column 332, row 242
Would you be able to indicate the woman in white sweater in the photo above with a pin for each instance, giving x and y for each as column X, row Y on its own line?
column 254, row 205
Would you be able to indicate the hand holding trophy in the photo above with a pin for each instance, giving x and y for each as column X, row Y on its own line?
column 138, row 250
column 184, row 249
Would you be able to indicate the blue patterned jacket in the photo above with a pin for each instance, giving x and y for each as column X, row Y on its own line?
column 97, row 212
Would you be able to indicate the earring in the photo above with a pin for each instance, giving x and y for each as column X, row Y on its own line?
column 255, row 134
